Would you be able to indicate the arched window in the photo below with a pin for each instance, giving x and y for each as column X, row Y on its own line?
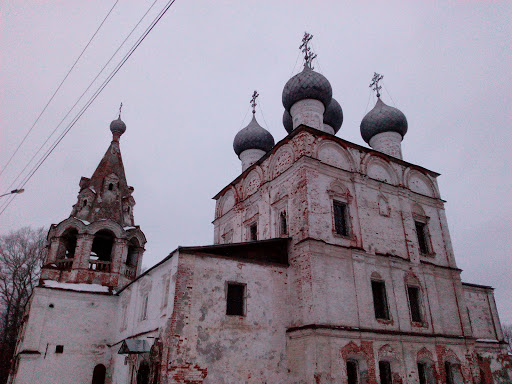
column 69, row 244
column 131, row 258
column 99, row 373
column 101, row 251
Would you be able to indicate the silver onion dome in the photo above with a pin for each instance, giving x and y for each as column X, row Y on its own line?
column 307, row 84
column 333, row 115
column 383, row 118
column 118, row 126
column 254, row 136
column 287, row 121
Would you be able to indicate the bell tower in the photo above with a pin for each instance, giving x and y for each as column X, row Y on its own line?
column 99, row 242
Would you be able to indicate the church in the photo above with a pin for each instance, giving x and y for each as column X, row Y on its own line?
column 331, row 263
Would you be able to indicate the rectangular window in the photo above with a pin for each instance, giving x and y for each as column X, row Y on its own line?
column 340, row 218
column 144, row 308
column 380, row 301
column 59, row 349
column 414, row 303
column 253, row 231
column 422, row 373
column 235, row 301
column 385, row 372
column 421, row 231
column 352, row 372
column 283, row 224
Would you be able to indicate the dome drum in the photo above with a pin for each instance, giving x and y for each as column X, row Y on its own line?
column 308, row 112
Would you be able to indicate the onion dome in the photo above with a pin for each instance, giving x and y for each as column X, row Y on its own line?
column 383, row 118
column 307, row 84
column 287, row 121
column 117, row 126
column 333, row 115
column 254, row 136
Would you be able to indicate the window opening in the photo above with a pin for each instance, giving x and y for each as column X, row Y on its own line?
column 101, row 251
column 110, row 187
column 131, row 258
column 253, row 230
column 85, row 202
column 235, row 302
column 352, row 372
column 59, row 349
column 340, row 218
column 69, row 239
column 380, row 301
column 422, row 373
column 414, row 303
column 99, row 373
column 385, row 372
column 283, row 225
column 421, row 231
column 144, row 308
column 449, row 373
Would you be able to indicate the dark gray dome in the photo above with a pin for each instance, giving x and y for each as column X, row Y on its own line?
column 307, row 85
column 118, row 126
column 254, row 136
column 383, row 118
column 333, row 115
column 287, row 121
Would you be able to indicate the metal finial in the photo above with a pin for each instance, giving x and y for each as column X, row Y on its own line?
column 375, row 82
column 253, row 101
column 306, row 49
column 120, row 107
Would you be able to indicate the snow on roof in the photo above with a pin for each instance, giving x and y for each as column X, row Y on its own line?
column 127, row 228
column 75, row 287
column 487, row 340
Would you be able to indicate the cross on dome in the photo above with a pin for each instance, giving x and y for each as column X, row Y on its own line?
column 306, row 49
column 253, row 101
column 375, row 82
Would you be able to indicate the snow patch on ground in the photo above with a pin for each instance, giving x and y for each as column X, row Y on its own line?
column 75, row 287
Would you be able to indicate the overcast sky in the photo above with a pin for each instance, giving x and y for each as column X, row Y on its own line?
column 186, row 90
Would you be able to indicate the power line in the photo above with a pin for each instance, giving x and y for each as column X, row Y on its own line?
column 82, row 95
column 96, row 94
column 58, row 88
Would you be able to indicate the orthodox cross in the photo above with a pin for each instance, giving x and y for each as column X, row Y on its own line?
column 120, row 107
column 375, row 83
column 306, row 49
column 253, row 101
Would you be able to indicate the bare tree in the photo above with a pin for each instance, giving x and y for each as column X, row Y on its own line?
column 507, row 335
column 22, row 254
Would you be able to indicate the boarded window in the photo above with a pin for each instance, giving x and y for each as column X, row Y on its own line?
column 283, row 224
column 380, row 301
column 340, row 218
column 144, row 308
column 235, row 301
column 385, row 372
column 352, row 372
column 421, row 231
column 253, row 231
column 414, row 303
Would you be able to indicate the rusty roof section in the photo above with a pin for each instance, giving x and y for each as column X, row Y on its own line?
column 273, row 251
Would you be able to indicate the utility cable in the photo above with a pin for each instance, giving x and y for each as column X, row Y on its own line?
column 96, row 94
column 58, row 88
column 82, row 95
